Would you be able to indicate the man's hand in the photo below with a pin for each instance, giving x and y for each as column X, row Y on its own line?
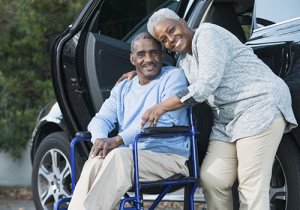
column 103, row 146
column 128, row 75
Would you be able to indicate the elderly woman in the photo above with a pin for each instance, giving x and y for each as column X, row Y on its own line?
column 251, row 108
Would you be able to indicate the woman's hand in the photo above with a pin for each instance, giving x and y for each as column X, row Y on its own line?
column 152, row 115
column 128, row 75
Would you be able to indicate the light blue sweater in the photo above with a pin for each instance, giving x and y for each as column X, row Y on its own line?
column 129, row 101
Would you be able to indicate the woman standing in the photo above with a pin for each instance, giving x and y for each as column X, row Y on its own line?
column 250, row 104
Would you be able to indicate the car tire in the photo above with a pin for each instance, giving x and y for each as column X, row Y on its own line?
column 51, row 173
column 285, row 182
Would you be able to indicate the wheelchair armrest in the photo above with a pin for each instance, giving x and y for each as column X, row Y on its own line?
column 161, row 130
column 84, row 134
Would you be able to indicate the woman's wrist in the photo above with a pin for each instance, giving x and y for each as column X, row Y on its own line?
column 171, row 103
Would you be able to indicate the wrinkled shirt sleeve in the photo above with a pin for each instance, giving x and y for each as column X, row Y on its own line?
column 128, row 135
column 104, row 121
column 211, row 55
column 177, row 82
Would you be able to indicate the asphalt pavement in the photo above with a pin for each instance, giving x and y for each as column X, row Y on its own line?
column 16, row 205
column 29, row 205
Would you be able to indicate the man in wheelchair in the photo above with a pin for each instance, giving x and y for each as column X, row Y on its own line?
column 109, row 172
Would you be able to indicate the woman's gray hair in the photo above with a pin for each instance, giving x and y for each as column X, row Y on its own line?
column 159, row 15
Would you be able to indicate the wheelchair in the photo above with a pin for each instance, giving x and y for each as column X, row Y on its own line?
column 159, row 187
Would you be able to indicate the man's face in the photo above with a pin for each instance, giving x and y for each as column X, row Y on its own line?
column 147, row 58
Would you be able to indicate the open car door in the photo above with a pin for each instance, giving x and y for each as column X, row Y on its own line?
column 97, row 55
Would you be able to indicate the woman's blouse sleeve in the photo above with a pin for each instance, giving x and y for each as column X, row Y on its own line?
column 211, row 52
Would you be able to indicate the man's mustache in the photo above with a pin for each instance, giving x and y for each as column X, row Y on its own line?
column 150, row 63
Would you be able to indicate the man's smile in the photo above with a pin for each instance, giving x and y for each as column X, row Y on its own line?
column 149, row 65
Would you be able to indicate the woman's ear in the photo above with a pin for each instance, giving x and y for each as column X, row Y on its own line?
column 183, row 21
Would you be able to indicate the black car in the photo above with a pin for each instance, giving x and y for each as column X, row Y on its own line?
column 91, row 55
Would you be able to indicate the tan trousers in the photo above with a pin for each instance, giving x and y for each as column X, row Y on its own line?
column 248, row 159
column 103, row 182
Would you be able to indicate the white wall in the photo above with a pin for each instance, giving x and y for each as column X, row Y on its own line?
column 15, row 173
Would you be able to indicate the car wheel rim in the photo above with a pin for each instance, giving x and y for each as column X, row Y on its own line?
column 54, row 178
column 278, row 187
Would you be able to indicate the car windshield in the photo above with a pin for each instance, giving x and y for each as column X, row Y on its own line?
column 270, row 12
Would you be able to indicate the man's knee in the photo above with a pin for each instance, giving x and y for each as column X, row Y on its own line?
column 115, row 154
column 92, row 163
column 120, row 154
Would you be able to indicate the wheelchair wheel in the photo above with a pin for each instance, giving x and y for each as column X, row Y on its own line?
column 51, row 173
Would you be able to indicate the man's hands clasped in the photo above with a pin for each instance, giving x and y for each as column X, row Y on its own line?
column 103, row 146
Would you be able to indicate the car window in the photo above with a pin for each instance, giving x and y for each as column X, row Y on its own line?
column 246, row 21
column 118, row 17
column 270, row 12
column 143, row 24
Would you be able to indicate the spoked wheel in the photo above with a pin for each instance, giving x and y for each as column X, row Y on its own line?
column 51, row 175
column 278, row 187
column 54, row 177
column 285, row 182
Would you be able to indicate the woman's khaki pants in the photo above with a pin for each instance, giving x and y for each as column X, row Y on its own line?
column 103, row 182
column 250, row 161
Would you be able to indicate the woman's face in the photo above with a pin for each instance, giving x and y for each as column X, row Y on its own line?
column 174, row 35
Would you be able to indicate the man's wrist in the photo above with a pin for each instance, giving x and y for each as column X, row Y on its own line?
column 119, row 140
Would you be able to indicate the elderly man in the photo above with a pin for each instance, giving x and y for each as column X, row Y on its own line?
column 108, row 173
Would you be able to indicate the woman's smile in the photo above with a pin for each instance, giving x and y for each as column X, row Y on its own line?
column 178, row 42
column 177, row 45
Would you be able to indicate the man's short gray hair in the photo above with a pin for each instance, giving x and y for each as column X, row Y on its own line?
column 143, row 35
column 159, row 15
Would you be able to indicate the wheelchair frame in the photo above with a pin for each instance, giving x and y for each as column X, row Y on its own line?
column 136, row 201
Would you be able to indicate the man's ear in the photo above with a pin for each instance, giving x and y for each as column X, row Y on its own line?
column 131, row 59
